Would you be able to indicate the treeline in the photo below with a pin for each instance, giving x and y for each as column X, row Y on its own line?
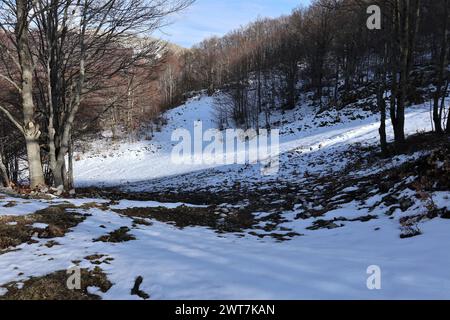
column 326, row 49
column 69, row 67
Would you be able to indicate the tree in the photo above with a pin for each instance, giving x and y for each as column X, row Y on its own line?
column 57, row 53
column 15, row 22
column 404, row 20
column 4, row 173
column 441, row 62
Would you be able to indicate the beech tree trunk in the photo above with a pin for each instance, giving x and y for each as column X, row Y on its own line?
column 405, row 23
column 441, row 66
column 382, row 129
column 448, row 123
column 4, row 174
column 31, row 129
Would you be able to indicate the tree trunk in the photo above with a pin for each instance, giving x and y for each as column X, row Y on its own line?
column 70, row 179
column 34, row 162
column 58, row 175
column 4, row 173
column 441, row 65
column 63, row 138
column 447, row 129
column 405, row 27
column 399, row 128
column 382, row 129
column 31, row 129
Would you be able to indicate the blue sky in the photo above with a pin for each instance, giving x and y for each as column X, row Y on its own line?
column 206, row 18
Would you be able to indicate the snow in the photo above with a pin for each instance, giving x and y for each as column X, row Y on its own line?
column 147, row 165
column 199, row 263
column 146, row 160
column 442, row 199
column 19, row 207
column 40, row 225
column 195, row 263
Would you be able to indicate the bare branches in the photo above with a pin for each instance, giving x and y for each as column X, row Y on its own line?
column 12, row 118
column 10, row 81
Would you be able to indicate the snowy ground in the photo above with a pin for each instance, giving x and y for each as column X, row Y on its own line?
column 308, row 143
column 197, row 263
column 286, row 253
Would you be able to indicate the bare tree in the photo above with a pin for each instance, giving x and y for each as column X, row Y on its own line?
column 15, row 22
column 441, row 72
column 82, row 42
column 4, row 173
column 405, row 22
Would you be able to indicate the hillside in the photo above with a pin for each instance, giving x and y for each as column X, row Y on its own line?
column 203, row 232
column 310, row 142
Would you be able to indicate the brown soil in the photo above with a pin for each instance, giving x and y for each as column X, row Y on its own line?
column 54, row 287
column 184, row 216
column 17, row 230
column 116, row 236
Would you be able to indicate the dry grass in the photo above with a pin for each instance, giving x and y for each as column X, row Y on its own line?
column 17, row 230
column 54, row 287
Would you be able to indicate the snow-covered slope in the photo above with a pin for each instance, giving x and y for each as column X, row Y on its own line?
column 305, row 136
column 144, row 160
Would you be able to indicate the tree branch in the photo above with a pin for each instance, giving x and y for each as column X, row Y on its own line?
column 11, row 82
column 12, row 119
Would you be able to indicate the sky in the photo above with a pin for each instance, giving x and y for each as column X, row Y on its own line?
column 206, row 18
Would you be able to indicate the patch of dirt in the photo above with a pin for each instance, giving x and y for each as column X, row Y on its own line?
column 360, row 219
column 14, row 231
column 116, row 236
column 424, row 141
column 184, row 216
column 95, row 205
column 98, row 259
column 410, row 225
column 54, row 287
column 51, row 243
column 281, row 237
column 17, row 230
column 410, row 232
column 142, row 222
column 59, row 220
column 316, row 195
column 10, row 204
column 445, row 214
column 324, row 224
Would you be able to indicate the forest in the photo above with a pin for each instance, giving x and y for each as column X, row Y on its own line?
column 64, row 66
